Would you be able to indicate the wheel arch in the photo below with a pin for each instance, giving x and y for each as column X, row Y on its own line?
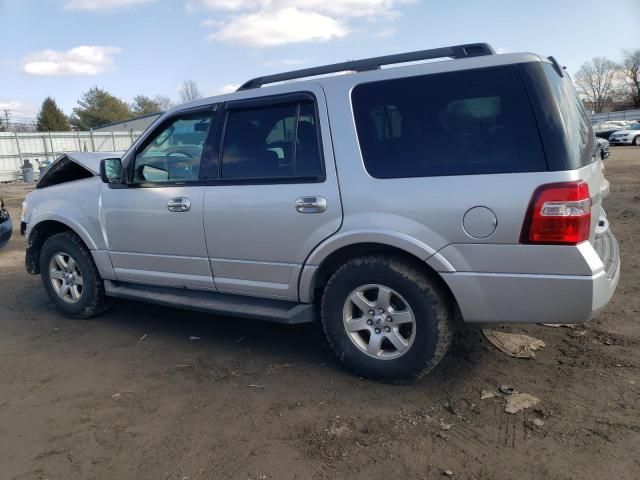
column 44, row 229
column 315, row 277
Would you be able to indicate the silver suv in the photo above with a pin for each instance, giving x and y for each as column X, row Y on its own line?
column 386, row 202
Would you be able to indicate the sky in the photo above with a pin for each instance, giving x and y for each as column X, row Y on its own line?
column 61, row 48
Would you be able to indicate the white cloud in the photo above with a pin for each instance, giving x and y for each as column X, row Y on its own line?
column 83, row 60
column 263, row 23
column 102, row 5
column 211, row 22
column 336, row 8
column 18, row 108
column 228, row 88
column 289, row 25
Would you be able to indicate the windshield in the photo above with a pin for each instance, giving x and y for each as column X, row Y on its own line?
column 634, row 127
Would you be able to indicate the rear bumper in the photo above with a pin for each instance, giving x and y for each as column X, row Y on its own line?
column 538, row 298
column 6, row 228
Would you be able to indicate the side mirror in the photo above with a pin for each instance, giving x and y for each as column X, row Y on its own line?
column 111, row 170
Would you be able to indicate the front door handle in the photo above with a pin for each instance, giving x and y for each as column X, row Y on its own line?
column 179, row 204
column 311, row 204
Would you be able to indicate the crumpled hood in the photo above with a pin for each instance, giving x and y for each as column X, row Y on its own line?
column 91, row 160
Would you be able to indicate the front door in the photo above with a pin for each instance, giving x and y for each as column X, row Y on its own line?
column 276, row 195
column 153, row 227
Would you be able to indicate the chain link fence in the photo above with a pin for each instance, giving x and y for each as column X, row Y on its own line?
column 38, row 147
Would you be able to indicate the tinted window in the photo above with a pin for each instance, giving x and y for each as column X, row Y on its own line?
column 458, row 123
column 173, row 154
column 275, row 141
column 576, row 123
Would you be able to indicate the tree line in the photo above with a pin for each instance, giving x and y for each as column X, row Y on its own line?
column 98, row 107
column 605, row 84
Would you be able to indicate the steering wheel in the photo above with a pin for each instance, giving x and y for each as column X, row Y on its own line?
column 191, row 152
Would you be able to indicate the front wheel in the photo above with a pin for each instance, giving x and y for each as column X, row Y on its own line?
column 70, row 276
column 636, row 140
column 386, row 319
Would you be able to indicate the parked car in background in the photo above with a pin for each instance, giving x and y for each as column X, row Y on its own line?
column 603, row 148
column 629, row 136
column 606, row 129
column 485, row 207
column 6, row 227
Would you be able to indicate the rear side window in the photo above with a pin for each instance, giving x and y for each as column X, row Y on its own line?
column 576, row 123
column 457, row 123
column 272, row 142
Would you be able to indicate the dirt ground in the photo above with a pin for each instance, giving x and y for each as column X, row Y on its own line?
column 130, row 395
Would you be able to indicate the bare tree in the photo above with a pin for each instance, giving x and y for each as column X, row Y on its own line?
column 189, row 91
column 630, row 71
column 164, row 102
column 596, row 81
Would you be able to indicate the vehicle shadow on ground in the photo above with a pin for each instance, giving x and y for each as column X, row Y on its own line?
column 260, row 341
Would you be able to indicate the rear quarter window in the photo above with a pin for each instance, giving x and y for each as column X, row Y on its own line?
column 456, row 123
column 577, row 127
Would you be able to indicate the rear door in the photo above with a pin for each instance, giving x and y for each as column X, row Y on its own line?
column 274, row 195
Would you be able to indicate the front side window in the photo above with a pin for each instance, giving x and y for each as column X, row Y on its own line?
column 457, row 123
column 270, row 142
column 175, row 152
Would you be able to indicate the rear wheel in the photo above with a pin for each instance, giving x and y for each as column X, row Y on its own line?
column 70, row 276
column 386, row 319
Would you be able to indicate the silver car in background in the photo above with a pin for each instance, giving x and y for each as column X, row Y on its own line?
column 386, row 203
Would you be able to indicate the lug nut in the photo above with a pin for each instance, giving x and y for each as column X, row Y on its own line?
column 389, row 319
column 381, row 310
column 378, row 330
column 387, row 329
column 371, row 312
column 369, row 322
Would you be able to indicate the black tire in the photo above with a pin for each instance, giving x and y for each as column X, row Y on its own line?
column 636, row 140
column 92, row 299
column 432, row 308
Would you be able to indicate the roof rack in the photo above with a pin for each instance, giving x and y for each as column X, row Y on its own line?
column 374, row 63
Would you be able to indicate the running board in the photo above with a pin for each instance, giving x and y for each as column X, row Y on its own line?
column 280, row 311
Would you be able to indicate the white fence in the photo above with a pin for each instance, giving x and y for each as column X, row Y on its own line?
column 41, row 146
column 621, row 115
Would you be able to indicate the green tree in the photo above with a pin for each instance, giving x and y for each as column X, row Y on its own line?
column 143, row 105
column 97, row 107
column 51, row 118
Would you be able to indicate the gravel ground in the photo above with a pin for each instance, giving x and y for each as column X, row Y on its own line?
column 132, row 394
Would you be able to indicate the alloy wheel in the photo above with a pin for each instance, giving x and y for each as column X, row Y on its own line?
column 379, row 321
column 66, row 277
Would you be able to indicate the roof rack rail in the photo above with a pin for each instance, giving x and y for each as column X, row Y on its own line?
column 374, row 63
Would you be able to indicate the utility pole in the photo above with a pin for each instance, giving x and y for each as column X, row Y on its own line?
column 7, row 112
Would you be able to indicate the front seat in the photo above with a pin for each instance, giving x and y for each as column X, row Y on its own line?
column 307, row 151
column 246, row 156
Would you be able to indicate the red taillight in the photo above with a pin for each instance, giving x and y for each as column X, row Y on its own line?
column 559, row 213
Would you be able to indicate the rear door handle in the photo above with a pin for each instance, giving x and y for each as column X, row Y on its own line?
column 311, row 204
column 179, row 204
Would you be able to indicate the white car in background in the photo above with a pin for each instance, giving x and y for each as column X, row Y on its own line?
column 629, row 136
